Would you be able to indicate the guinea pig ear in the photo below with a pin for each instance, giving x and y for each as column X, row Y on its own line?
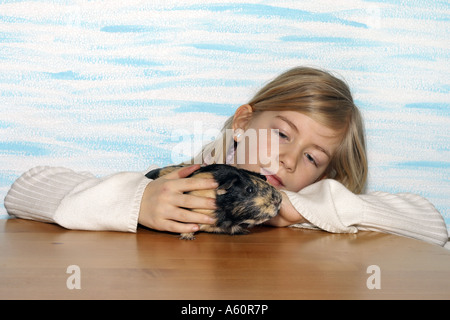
column 224, row 187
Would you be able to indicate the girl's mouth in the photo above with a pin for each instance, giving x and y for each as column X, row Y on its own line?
column 273, row 179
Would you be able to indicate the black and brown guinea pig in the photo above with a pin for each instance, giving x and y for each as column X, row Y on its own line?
column 243, row 198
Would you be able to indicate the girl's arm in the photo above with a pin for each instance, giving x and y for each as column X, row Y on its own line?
column 328, row 205
column 78, row 200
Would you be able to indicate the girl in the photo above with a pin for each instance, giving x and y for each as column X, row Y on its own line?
column 321, row 170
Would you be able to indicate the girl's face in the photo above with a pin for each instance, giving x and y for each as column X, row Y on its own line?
column 304, row 153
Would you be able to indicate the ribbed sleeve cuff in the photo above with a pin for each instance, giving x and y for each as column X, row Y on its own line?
column 407, row 214
column 37, row 193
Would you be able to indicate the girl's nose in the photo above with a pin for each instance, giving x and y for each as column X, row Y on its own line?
column 288, row 160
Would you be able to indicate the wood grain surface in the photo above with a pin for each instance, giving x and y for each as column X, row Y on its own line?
column 267, row 264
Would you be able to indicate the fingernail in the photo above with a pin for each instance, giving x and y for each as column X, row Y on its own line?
column 211, row 220
column 195, row 228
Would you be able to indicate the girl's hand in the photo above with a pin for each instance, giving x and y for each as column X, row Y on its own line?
column 164, row 205
column 287, row 215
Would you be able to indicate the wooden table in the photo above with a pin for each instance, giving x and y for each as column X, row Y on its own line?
column 270, row 263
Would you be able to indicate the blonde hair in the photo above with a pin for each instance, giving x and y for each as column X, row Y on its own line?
column 324, row 98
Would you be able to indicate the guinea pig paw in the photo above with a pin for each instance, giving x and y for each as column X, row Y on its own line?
column 187, row 236
column 239, row 230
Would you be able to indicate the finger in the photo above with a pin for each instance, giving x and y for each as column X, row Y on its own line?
column 195, row 202
column 182, row 172
column 187, row 216
column 179, row 227
column 191, row 184
column 185, row 172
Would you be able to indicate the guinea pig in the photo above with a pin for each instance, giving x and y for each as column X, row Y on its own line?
column 243, row 198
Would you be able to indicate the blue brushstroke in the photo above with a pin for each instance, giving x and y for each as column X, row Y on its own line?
column 9, row 19
column 429, row 106
column 425, row 164
column 417, row 56
column 439, row 108
column 158, row 73
column 196, row 83
column 67, row 2
column 268, row 11
column 335, row 40
column 149, row 150
column 70, row 75
column 177, row 106
column 23, row 148
column 64, row 75
column 167, row 85
column 6, row 37
column 131, row 29
column 436, row 10
column 134, row 62
column 7, row 177
column 6, row 124
column 221, row 109
column 222, row 47
column 444, row 88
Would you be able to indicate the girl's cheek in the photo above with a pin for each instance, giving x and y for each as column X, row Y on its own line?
column 300, row 180
column 296, row 186
column 269, row 153
column 273, row 143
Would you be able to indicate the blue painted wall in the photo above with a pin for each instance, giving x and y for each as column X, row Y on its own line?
column 103, row 85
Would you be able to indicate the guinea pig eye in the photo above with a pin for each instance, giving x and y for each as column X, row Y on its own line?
column 250, row 189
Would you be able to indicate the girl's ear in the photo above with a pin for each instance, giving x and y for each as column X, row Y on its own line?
column 242, row 116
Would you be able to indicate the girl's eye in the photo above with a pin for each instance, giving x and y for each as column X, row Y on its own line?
column 310, row 159
column 282, row 135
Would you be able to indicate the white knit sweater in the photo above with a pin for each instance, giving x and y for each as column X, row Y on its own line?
column 79, row 200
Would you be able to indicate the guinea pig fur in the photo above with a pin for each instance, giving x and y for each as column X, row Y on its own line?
column 243, row 198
